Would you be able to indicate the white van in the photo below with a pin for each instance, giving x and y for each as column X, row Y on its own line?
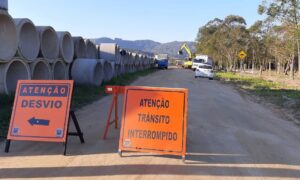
column 201, row 59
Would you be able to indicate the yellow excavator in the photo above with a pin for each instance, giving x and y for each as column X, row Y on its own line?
column 189, row 62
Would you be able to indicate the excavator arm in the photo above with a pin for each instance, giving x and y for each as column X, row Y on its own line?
column 189, row 63
column 187, row 49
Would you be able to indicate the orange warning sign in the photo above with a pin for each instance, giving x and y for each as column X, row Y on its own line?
column 154, row 120
column 41, row 110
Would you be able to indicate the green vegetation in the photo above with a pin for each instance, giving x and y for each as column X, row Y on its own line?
column 82, row 95
column 6, row 103
column 270, row 44
column 277, row 93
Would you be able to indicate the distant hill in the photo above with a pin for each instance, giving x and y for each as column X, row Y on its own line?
column 170, row 48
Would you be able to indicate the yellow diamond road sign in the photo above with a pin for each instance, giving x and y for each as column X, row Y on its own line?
column 242, row 55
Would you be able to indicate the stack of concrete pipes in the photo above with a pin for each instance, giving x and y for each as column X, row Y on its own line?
column 31, row 52
column 123, row 61
column 39, row 52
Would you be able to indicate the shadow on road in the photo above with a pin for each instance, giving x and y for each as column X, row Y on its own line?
column 141, row 169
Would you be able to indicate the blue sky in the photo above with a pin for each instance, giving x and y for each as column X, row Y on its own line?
column 159, row 20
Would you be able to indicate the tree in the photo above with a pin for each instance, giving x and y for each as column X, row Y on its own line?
column 223, row 39
column 258, row 49
column 287, row 13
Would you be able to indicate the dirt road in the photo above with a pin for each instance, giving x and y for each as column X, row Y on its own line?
column 229, row 137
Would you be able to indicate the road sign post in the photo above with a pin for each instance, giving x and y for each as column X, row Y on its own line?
column 154, row 120
column 41, row 112
column 242, row 55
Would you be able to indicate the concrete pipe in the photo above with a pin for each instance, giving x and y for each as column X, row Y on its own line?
column 119, row 71
column 123, row 68
column 10, row 73
column 128, row 58
column 3, row 5
column 79, row 47
column 144, row 60
column 121, row 55
column 107, row 70
column 123, row 60
column 58, row 69
column 140, row 63
column 135, row 68
column 66, row 46
column 87, row 72
column 133, row 58
column 113, row 65
column 109, row 52
column 68, row 71
column 140, row 59
column 126, row 68
column 91, row 51
column 136, row 60
column 132, row 69
column 41, row 70
column 116, row 69
column 98, row 51
column 140, row 67
column 8, row 37
column 121, row 52
column 129, row 70
column 49, row 48
column 29, row 42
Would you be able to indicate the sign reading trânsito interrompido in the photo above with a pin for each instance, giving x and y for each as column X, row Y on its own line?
column 154, row 120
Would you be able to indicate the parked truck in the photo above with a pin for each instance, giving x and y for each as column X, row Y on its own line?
column 162, row 61
column 200, row 60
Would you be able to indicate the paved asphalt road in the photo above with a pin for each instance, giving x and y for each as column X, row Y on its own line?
column 229, row 137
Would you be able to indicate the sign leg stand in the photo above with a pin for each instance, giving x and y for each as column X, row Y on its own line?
column 115, row 91
column 66, row 143
column 7, row 145
column 78, row 133
column 109, row 116
column 116, row 112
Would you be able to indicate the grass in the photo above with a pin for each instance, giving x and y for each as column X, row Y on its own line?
column 82, row 95
column 6, row 103
column 278, row 93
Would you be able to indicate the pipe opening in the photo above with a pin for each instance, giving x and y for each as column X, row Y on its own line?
column 8, row 37
column 41, row 71
column 59, row 70
column 98, row 74
column 66, row 46
column 79, row 47
column 49, row 44
column 17, row 70
column 29, row 41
